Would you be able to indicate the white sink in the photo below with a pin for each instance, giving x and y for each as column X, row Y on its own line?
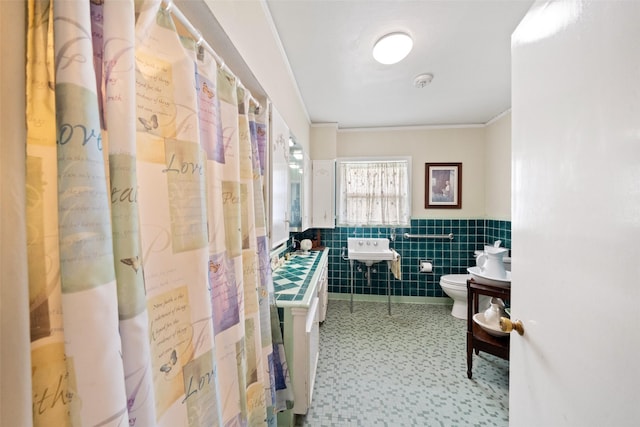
column 369, row 250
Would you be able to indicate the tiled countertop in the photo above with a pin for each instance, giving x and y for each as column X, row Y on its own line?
column 292, row 280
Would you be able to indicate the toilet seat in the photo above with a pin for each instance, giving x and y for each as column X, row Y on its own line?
column 455, row 280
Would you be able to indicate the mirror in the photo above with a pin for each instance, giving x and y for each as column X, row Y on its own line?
column 278, row 194
column 296, row 184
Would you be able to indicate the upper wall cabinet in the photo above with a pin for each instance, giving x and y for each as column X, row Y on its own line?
column 323, row 184
column 279, row 180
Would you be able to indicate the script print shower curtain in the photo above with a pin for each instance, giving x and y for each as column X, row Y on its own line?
column 255, row 374
column 114, row 53
column 172, row 197
column 145, row 258
column 279, row 395
column 76, row 350
column 52, row 387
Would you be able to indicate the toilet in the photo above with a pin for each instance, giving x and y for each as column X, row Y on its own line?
column 455, row 286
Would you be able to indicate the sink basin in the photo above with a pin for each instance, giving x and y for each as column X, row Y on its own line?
column 369, row 250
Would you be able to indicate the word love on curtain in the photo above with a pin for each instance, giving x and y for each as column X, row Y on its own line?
column 150, row 289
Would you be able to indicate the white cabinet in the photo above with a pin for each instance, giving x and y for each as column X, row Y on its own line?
column 323, row 184
column 301, row 334
column 323, row 292
column 279, row 182
column 306, row 346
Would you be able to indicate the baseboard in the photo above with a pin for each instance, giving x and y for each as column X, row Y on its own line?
column 394, row 299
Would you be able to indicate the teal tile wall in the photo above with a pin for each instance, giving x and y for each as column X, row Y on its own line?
column 498, row 230
column 448, row 256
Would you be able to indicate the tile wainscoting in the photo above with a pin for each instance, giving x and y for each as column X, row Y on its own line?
column 448, row 256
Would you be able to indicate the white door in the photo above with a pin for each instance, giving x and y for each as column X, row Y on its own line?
column 576, row 215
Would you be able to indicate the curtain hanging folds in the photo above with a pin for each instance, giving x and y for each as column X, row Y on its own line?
column 201, row 44
column 150, row 289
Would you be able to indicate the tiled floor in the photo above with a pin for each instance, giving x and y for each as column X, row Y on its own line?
column 405, row 370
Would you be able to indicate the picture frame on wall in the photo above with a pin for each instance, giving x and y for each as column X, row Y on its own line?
column 443, row 185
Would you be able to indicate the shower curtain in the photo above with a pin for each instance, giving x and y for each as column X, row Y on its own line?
column 150, row 287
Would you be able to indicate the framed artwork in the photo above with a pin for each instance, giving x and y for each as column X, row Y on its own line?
column 443, row 185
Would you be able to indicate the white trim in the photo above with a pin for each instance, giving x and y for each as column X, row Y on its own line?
column 325, row 125
column 498, row 117
column 283, row 53
column 405, row 128
column 381, row 159
column 416, row 127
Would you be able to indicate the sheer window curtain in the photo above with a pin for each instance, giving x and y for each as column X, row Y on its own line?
column 373, row 192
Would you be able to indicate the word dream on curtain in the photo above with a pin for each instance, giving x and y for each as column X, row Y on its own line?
column 150, row 287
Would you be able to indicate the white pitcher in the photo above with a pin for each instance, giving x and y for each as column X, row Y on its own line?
column 495, row 311
column 491, row 262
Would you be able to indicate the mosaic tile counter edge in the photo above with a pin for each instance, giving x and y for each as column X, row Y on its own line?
column 292, row 281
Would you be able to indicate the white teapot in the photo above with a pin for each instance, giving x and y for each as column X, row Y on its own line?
column 491, row 262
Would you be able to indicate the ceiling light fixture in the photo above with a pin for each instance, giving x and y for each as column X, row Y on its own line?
column 392, row 48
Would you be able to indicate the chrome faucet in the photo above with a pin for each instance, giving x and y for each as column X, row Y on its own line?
column 392, row 235
column 293, row 242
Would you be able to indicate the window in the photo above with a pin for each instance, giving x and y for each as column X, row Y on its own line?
column 374, row 191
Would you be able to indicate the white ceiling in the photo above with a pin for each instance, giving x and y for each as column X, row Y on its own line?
column 465, row 44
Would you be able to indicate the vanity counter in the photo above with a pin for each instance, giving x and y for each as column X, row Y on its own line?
column 296, row 282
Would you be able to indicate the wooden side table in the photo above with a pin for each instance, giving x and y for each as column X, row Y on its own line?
column 477, row 339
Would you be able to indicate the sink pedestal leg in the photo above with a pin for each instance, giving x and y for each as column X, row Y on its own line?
column 351, row 271
column 389, row 291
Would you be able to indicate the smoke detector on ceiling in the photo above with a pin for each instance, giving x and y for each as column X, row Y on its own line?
column 422, row 80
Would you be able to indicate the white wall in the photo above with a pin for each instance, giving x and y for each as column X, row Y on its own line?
column 498, row 168
column 15, row 354
column 323, row 141
column 427, row 145
column 484, row 151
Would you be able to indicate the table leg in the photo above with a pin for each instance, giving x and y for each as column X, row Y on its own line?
column 469, row 354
